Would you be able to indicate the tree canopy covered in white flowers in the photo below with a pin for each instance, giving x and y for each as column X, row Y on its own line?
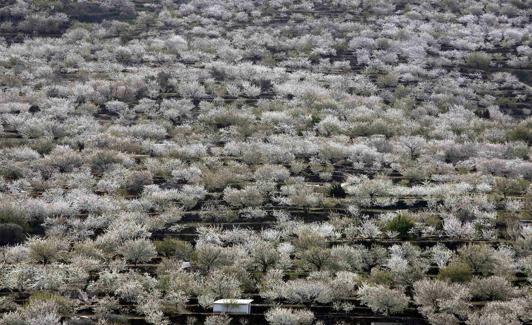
column 336, row 161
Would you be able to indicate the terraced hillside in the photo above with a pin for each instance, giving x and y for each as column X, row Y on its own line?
column 337, row 161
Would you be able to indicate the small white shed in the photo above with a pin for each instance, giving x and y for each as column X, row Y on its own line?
column 232, row 306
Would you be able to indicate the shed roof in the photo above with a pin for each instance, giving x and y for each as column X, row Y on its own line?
column 234, row 301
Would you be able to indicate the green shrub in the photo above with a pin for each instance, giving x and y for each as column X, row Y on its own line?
column 508, row 186
column 456, row 272
column 43, row 146
column 11, row 172
column 65, row 305
column 380, row 276
column 169, row 247
column 401, row 224
column 11, row 214
column 522, row 132
column 134, row 183
column 387, row 80
column 44, row 250
column 101, row 161
column 478, row 60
